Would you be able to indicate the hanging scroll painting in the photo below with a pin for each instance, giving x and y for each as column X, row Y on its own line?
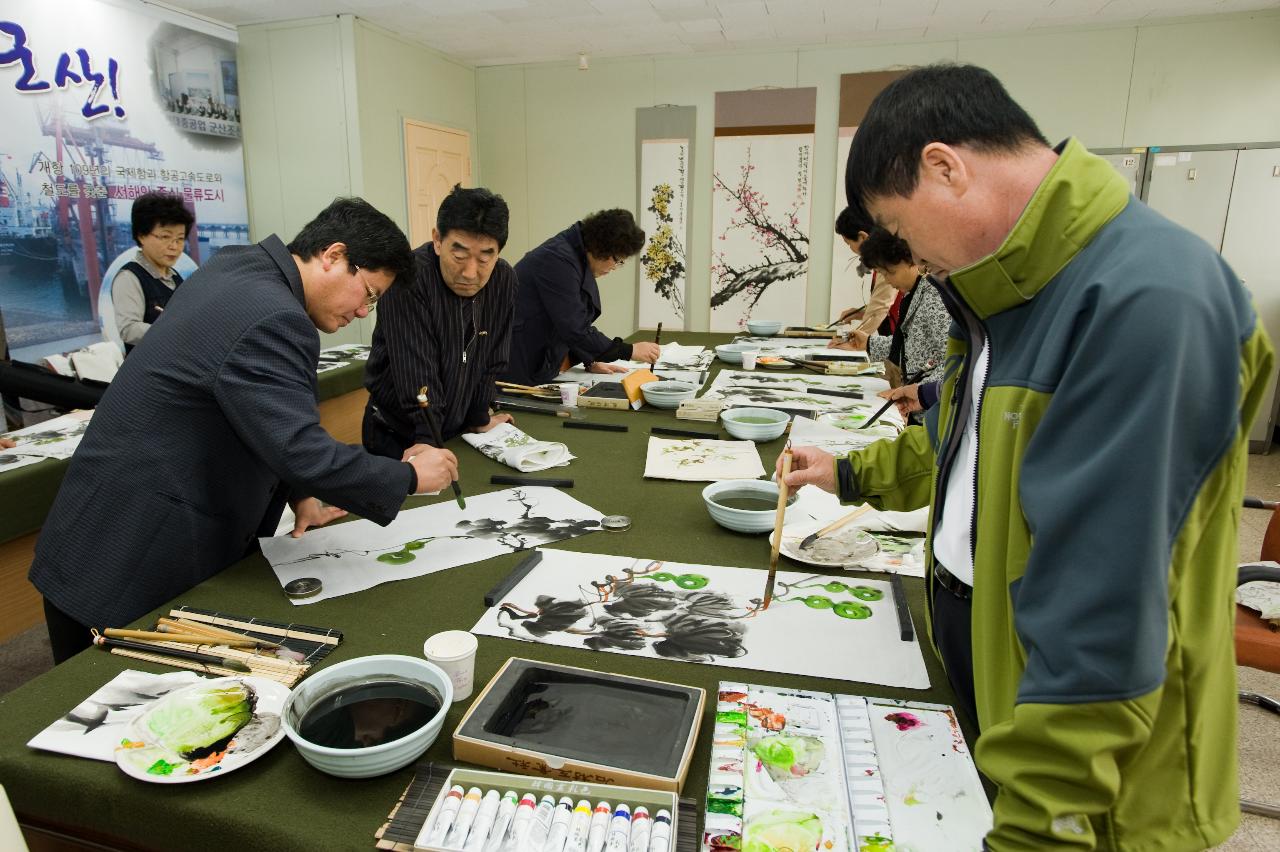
column 761, row 206
column 664, row 176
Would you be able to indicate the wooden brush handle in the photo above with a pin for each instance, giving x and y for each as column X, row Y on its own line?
column 854, row 515
column 180, row 638
column 781, row 511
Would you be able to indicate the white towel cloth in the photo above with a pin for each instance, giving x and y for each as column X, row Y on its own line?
column 516, row 449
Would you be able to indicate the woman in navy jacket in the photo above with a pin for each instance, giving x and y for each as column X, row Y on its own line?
column 558, row 300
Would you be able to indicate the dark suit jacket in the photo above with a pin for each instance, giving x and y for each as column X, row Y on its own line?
column 556, row 303
column 184, row 461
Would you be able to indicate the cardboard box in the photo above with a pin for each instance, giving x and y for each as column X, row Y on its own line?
column 653, row 800
column 578, row 724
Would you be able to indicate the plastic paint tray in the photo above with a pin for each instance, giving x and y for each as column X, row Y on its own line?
column 581, row 724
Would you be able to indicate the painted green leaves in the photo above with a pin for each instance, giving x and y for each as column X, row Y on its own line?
column 844, row 609
column 405, row 553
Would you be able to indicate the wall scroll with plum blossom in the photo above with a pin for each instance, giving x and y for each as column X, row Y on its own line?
column 761, row 206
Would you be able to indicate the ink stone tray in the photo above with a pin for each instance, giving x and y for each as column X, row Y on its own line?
column 582, row 725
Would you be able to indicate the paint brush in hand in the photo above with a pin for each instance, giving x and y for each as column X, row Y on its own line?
column 835, row 322
column 910, row 379
column 777, row 529
column 435, row 431
column 834, row 525
column 657, row 335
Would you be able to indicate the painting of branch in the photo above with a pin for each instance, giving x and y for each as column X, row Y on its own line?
column 710, row 614
column 702, row 460
column 53, row 439
column 351, row 557
column 839, row 433
column 800, row 391
column 760, row 228
column 664, row 190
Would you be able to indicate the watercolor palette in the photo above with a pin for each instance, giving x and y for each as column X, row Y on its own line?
column 204, row 730
column 793, row 769
column 580, row 724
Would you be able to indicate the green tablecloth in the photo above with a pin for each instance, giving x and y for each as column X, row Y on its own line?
column 279, row 802
column 342, row 380
column 26, row 494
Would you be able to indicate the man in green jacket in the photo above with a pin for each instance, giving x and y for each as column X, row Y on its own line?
column 1084, row 468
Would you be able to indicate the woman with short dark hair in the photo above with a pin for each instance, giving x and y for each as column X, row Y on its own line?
column 558, row 301
column 142, row 287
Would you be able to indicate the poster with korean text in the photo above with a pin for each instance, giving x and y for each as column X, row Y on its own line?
column 101, row 104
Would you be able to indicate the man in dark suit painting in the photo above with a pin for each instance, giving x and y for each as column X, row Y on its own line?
column 209, row 428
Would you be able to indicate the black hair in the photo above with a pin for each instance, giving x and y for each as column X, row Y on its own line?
column 948, row 103
column 476, row 211
column 852, row 221
column 373, row 241
column 882, row 250
column 611, row 234
column 158, row 208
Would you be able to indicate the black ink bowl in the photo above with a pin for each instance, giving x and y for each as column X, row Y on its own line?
column 578, row 724
column 377, row 714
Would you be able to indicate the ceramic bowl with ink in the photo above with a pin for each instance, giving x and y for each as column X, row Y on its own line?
column 744, row 505
column 731, row 353
column 755, row 424
column 667, row 394
column 764, row 328
column 368, row 716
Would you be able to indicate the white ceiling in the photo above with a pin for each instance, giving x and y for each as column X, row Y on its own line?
column 505, row 32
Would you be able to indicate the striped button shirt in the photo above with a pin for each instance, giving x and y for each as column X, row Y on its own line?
column 456, row 347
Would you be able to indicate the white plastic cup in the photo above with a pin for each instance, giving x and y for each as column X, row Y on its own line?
column 454, row 651
column 569, row 394
column 749, row 359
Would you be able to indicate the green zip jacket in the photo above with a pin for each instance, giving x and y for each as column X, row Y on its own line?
column 1126, row 366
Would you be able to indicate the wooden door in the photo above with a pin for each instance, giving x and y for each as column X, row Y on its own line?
column 436, row 158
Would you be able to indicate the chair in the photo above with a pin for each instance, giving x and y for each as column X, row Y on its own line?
column 1257, row 644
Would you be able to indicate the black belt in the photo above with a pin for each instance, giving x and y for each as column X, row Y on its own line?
column 952, row 583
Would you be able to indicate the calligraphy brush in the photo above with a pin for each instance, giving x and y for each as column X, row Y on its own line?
column 657, row 335
column 777, row 528
column 435, row 431
column 836, row 321
column 909, row 380
column 217, row 636
column 175, row 653
column 180, row 638
column 834, row 525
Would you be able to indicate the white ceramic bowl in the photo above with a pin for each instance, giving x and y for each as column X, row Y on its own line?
column 731, row 353
column 744, row 520
column 755, row 424
column 668, row 394
column 373, row 760
column 764, row 328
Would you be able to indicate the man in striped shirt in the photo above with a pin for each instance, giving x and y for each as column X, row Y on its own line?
column 447, row 330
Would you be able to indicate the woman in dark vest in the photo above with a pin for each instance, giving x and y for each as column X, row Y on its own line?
column 143, row 286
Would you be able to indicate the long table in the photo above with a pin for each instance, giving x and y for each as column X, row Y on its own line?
column 26, row 495
column 279, row 802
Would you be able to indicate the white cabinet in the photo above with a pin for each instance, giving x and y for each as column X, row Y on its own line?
column 1251, row 244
